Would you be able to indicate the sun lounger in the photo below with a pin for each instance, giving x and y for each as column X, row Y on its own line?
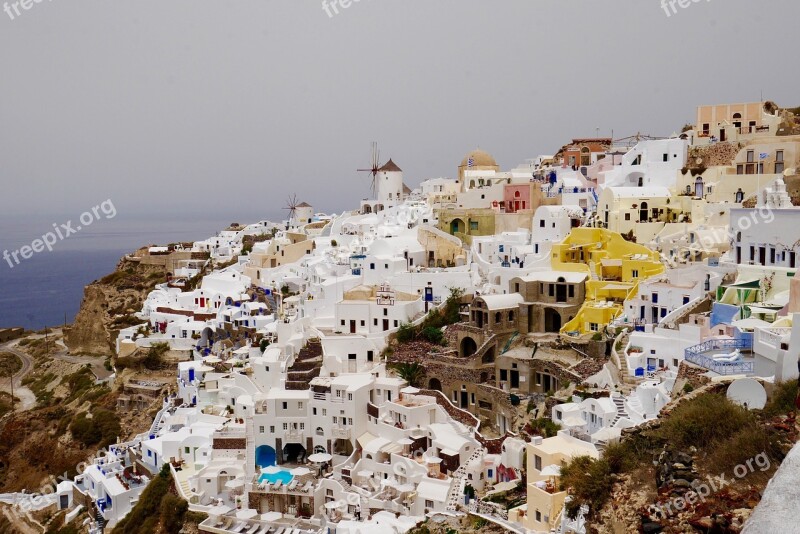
column 220, row 521
column 239, row 526
column 264, row 530
column 277, row 484
column 253, row 528
column 292, row 485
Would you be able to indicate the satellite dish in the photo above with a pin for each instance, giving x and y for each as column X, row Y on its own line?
column 747, row 392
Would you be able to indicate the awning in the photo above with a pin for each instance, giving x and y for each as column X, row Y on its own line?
column 448, row 452
column 365, row 438
column 750, row 284
column 392, row 448
column 375, row 445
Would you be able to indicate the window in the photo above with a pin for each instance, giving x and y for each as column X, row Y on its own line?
column 739, row 168
column 473, row 225
column 260, row 431
column 324, row 412
column 686, row 299
column 503, row 374
column 372, row 266
column 541, row 223
column 635, row 273
column 396, row 323
column 428, row 503
column 363, row 322
column 537, row 462
column 370, row 355
column 271, row 429
column 627, row 216
column 349, row 396
column 285, row 405
column 186, row 450
column 299, row 405
column 286, row 426
column 779, row 164
column 594, row 327
column 571, row 291
column 655, row 298
column 342, row 322
column 666, row 158
column 314, row 411
column 751, row 155
column 538, row 516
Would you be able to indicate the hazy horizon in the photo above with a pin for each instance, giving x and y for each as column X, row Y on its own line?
column 166, row 107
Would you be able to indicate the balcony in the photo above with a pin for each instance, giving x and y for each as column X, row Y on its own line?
column 294, row 435
column 340, row 432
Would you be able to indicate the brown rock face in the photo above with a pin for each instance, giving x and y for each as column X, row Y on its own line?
column 88, row 333
column 108, row 305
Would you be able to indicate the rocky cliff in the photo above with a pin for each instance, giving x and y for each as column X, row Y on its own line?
column 109, row 304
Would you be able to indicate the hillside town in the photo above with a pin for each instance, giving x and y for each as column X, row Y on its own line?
column 444, row 351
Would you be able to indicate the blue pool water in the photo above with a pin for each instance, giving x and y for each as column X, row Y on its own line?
column 283, row 475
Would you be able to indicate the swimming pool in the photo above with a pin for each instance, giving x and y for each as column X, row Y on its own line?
column 283, row 475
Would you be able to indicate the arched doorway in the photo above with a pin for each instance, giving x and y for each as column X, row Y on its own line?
column 265, row 456
column 435, row 384
column 552, row 320
column 468, row 347
column 457, row 226
column 488, row 356
column 643, row 212
column 698, row 187
column 294, row 453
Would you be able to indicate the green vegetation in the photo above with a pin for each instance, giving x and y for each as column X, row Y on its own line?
column 154, row 506
column 431, row 328
column 153, row 360
column 783, row 399
column 434, row 335
column 37, row 383
column 406, row 333
column 101, row 429
column 410, row 372
column 543, row 427
column 724, row 434
column 10, row 364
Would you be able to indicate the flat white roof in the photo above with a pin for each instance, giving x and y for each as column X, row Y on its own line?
column 499, row 302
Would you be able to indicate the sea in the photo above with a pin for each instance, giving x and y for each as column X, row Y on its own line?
column 46, row 290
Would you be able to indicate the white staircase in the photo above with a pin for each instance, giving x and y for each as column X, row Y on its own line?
column 619, row 402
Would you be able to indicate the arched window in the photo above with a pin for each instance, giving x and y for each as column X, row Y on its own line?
column 497, row 317
column 586, row 156
column 511, row 316
column 320, row 431
column 516, row 194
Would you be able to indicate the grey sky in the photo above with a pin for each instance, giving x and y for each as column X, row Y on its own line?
column 205, row 107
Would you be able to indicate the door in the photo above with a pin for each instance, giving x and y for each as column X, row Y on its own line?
column 464, row 400
column 762, row 255
column 514, row 379
column 385, row 325
column 352, row 327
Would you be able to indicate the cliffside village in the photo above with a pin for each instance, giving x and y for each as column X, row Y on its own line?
column 589, row 285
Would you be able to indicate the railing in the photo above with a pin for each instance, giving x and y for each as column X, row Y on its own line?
column 340, row 433
column 696, row 355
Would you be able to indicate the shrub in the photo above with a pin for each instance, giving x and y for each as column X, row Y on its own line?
column 434, row 335
column 783, row 399
column 405, row 333
column 702, row 421
column 144, row 516
column 173, row 510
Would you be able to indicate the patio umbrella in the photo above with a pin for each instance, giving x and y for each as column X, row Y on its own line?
column 235, row 483
column 410, row 390
column 270, row 470
column 271, row 516
column 366, row 473
column 405, row 441
column 433, row 460
column 212, row 359
column 300, row 471
column 551, row 471
column 320, row 457
column 219, row 509
column 247, row 513
column 332, row 505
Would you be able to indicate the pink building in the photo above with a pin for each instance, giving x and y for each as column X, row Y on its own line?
column 517, row 197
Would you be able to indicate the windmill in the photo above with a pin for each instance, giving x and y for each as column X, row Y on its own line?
column 291, row 206
column 376, row 163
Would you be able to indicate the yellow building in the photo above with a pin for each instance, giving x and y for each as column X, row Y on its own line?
column 544, row 460
column 615, row 268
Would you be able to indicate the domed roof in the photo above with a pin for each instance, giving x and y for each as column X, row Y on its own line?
column 480, row 158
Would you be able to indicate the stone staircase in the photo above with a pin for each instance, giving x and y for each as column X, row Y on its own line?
column 306, row 366
column 456, row 494
column 619, row 402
